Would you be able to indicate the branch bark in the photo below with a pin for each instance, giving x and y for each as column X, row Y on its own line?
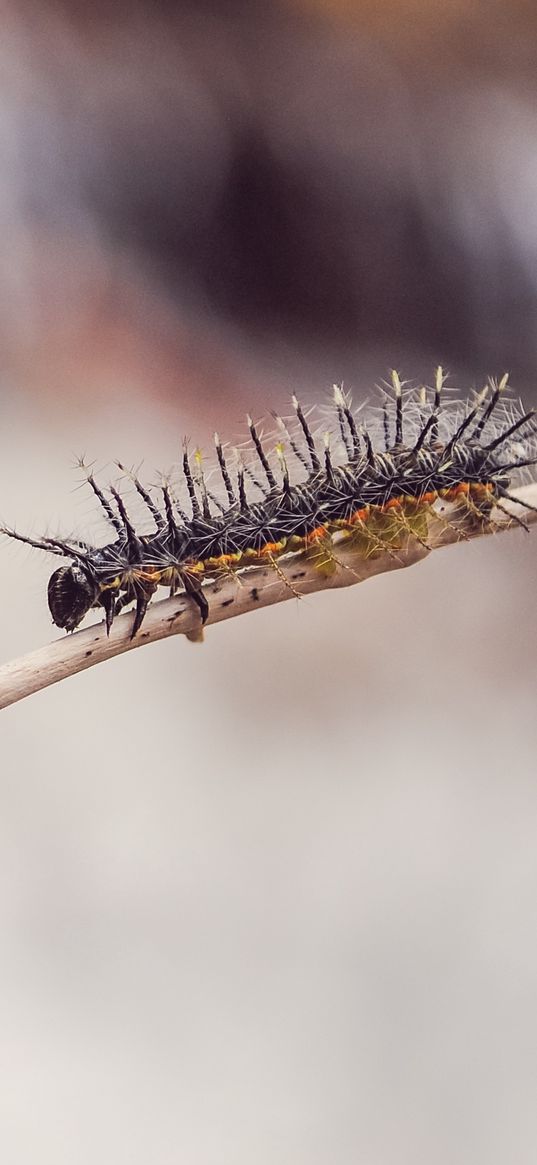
column 259, row 586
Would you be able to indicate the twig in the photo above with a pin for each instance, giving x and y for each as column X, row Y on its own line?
column 257, row 587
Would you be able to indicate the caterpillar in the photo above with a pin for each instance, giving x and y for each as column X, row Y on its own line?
column 370, row 477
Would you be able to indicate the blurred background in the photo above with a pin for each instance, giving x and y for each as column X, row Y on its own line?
column 272, row 899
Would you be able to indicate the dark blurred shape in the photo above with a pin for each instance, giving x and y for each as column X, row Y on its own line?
column 323, row 174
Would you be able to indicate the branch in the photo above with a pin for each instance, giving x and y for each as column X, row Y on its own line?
column 297, row 574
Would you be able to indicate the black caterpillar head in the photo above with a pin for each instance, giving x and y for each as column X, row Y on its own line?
column 71, row 594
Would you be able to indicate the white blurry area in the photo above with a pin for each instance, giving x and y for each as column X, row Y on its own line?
column 272, row 899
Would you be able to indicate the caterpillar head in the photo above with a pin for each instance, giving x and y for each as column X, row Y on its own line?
column 72, row 591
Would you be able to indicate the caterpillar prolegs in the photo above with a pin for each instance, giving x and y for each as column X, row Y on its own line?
column 369, row 476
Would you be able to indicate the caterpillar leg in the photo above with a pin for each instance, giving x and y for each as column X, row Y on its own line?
column 321, row 554
column 134, row 592
column 411, row 522
column 107, row 600
column 479, row 503
column 281, row 575
column 142, row 603
column 194, row 590
column 360, row 533
column 195, row 636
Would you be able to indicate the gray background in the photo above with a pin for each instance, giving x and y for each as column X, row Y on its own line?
column 271, row 899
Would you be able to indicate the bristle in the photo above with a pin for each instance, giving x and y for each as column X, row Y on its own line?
column 224, row 471
column 200, row 477
column 243, row 500
column 439, row 382
column 343, row 404
column 430, row 428
column 386, row 426
column 513, row 429
column 398, row 407
column 285, row 472
column 101, row 498
column 339, row 401
column 52, row 545
column 196, row 511
column 480, row 397
column 132, row 537
column 168, row 505
column 368, row 447
column 518, row 501
column 177, row 509
column 146, row 497
column 364, row 490
column 487, row 413
column 328, row 468
column 315, row 463
column 296, row 448
column 261, row 453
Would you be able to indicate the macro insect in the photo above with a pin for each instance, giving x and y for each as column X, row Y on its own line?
column 363, row 480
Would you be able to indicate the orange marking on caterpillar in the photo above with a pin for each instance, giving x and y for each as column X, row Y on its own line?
column 272, row 548
column 455, row 449
column 359, row 515
column 317, row 535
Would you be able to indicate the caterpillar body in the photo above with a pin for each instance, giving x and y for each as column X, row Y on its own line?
column 367, row 480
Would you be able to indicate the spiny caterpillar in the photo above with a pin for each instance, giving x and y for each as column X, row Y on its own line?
column 366, row 482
